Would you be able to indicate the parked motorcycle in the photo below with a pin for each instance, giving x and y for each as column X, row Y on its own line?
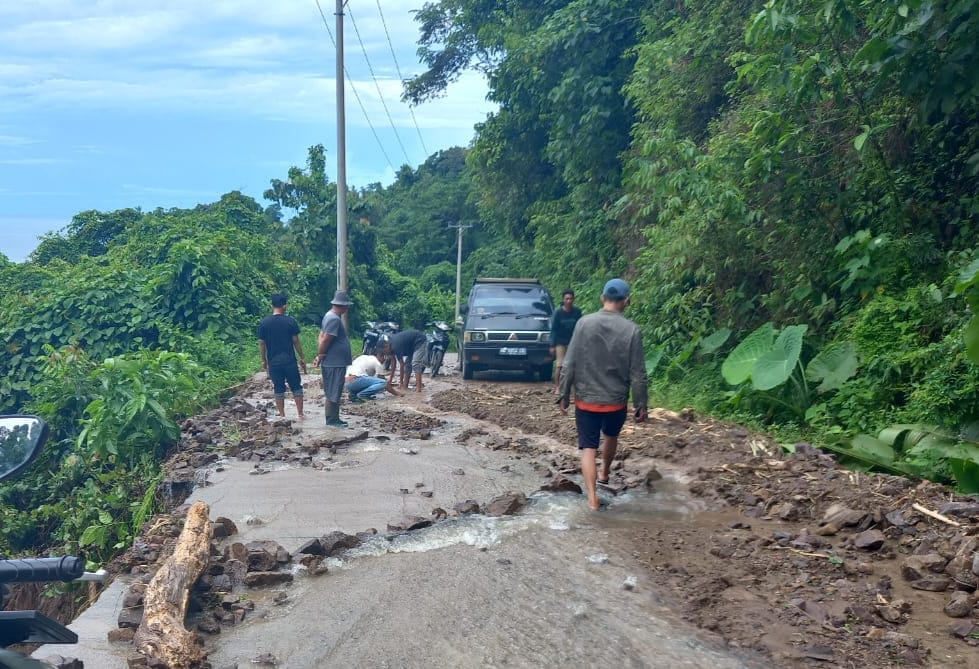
column 438, row 344
column 21, row 438
column 373, row 333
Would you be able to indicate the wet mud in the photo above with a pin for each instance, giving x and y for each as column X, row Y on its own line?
column 728, row 551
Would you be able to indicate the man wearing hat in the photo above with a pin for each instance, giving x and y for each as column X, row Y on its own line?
column 604, row 361
column 333, row 355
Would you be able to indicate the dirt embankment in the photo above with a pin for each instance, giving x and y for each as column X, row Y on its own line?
column 797, row 557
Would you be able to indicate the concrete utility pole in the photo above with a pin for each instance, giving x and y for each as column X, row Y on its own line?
column 459, row 228
column 341, row 166
column 341, row 159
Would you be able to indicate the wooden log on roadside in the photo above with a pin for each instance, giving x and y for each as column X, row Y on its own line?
column 161, row 634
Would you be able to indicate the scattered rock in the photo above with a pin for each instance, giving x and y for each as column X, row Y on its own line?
column 917, row 567
column 506, row 504
column 960, row 605
column 961, row 509
column 258, row 579
column 870, row 540
column 469, row 506
column 561, row 484
column 961, row 628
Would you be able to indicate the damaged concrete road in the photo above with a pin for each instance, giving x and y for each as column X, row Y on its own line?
column 778, row 560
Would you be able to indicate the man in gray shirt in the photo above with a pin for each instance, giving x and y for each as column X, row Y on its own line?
column 604, row 362
column 333, row 355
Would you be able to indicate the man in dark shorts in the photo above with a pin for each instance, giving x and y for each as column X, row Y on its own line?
column 563, row 321
column 408, row 349
column 603, row 363
column 333, row 354
column 278, row 344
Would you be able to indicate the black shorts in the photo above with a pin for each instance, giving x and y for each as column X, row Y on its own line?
column 592, row 424
column 280, row 374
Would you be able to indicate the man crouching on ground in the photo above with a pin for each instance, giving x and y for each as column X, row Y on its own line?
column 604, row 361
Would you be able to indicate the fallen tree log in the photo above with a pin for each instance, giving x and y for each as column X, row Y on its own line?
column 161, row 634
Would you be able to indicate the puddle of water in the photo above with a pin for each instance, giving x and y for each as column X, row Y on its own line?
column 481, row 592
column 544, row 511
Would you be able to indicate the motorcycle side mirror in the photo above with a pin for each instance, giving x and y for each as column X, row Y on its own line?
column 21, row 439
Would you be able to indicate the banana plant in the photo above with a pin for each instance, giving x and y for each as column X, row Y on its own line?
column 921, row 450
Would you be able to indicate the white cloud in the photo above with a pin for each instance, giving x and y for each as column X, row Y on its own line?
column 14, row 140
column 267, row 60
column 31, row 161
column 90, row 34
column 244, row 52
column 193, row 63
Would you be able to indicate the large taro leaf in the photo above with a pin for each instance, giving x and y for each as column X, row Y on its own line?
column 738, row 366
column 966, row 473
column 774, row 367
column 833, row 366
column 712, row 342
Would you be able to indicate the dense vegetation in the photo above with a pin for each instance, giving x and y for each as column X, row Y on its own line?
column 789, row 185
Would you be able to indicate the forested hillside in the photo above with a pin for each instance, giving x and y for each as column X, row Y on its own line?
column 790, row 186
column 804, row 170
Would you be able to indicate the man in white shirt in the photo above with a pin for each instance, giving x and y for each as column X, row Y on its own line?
column 365, row 377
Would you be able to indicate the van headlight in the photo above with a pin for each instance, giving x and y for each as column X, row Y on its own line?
column 473, row 336
column 544, row 336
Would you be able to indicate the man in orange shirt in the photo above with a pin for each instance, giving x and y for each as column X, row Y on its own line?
column 604, row 361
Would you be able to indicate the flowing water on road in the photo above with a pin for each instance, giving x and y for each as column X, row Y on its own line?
column 551, row 586
column 544, row 588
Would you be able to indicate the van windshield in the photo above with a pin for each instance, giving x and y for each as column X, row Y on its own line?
column 509, row 300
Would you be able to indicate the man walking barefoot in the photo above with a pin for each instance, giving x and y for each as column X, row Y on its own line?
column 278, row 344
column 603, row 363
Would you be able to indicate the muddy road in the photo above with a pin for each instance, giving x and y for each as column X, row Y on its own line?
column 713, row 548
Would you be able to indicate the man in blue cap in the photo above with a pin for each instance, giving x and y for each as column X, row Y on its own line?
column 604, row 362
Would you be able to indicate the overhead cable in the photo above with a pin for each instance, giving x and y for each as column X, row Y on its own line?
column 377, row 85
column 401, row 78
column 353, row 89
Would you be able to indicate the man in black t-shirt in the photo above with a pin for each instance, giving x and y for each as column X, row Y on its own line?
column 278, row 343
column 408, row 349
column 563, row 322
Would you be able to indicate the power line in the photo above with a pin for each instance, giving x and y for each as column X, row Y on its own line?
column 377, row 85
column 354, row 91
column 401, row 78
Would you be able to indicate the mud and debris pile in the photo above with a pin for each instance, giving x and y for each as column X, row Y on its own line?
column 795, row 556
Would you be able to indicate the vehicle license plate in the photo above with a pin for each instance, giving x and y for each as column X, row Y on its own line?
column 513, row 350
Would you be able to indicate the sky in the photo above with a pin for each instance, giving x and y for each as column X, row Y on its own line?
column 108, row 104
